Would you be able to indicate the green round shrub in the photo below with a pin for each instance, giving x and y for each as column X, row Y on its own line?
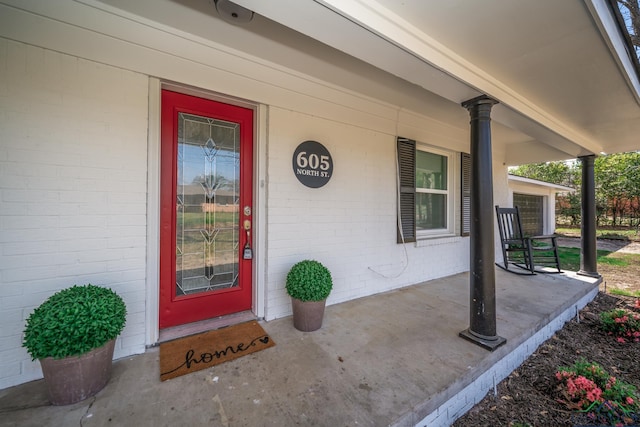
column 74, row 321
column 309, row 280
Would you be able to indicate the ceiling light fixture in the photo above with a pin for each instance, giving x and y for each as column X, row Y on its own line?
column 232, row 12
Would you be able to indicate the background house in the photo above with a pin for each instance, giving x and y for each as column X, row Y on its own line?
column 537, row 202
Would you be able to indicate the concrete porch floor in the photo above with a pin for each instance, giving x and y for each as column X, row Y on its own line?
column 389, row 359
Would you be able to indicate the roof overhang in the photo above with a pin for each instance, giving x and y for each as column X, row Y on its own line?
column 556, row 67
column 538, row 183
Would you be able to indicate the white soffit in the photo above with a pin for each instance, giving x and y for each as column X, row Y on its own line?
column 389, row 39
column 615, row 40
column 563, row 43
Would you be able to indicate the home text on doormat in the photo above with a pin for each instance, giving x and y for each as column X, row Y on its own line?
column 190, row 354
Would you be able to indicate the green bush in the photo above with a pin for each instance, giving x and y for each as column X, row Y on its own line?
column 622, row 324
column 309, row 280
column 74, row 321
column 588, row 388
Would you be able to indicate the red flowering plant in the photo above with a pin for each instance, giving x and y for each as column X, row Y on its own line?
column 588, row 388
column 624, row 325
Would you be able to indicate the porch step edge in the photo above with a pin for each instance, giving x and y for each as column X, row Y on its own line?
column 461, row 402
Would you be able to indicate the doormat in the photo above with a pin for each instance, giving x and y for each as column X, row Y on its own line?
column 201, row 351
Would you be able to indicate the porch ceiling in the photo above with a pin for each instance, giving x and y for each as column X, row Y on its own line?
column 563, row 90
column 551, row 64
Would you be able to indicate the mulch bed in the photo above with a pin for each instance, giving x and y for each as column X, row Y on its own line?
column 529, row 396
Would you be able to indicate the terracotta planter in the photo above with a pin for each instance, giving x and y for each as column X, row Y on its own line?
column 76, row 378
column 307, row 315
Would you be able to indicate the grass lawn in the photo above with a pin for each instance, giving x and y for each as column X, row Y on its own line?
column 615, row 291
column 627, row 234
column 620, row 271
column 570, row 258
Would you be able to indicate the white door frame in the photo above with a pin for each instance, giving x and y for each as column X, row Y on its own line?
column 153, row 201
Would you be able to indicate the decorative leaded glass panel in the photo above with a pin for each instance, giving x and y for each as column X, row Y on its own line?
column 208, row 191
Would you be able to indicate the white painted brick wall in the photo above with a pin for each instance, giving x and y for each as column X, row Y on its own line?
column 73, row 175
column 73, row 161
column 350, row 223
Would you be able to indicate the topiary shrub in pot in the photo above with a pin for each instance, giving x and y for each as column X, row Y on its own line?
column 73, row 334
column 308, row 284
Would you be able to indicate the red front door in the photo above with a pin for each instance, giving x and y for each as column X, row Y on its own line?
column 206, row 209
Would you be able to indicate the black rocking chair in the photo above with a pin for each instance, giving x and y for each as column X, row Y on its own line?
column 535, row 254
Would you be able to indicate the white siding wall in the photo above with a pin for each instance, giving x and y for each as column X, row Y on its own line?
column 73, row 164
column 350, row 223
column 501, row 196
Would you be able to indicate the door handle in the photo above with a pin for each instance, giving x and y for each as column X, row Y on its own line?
column 247, row 253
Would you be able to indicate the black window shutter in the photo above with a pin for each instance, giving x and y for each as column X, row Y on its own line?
column 407, row 178
column 465, row 194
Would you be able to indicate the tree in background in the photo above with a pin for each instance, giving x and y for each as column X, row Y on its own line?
column 618, row 186
column 630, row 11
column 553, row 172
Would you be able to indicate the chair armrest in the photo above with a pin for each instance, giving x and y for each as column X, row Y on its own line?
column 550, row 236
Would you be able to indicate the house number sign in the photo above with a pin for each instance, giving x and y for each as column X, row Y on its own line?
column 312, row 164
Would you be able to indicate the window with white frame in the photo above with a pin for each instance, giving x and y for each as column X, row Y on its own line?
column 427, row 196
column 432, row 205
